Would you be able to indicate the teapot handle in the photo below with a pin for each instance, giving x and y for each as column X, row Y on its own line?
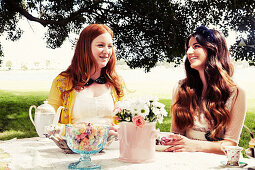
column 56, row 117
column 30, row 113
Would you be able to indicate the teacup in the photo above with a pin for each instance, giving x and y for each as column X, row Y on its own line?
column 252, row 146
column 233, row 154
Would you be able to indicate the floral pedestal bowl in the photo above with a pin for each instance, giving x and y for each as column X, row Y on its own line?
column 86, row 139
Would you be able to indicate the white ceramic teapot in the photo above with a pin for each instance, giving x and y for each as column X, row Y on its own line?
column 45, row 115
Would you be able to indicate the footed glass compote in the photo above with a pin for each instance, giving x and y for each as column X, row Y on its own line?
column 86, row 139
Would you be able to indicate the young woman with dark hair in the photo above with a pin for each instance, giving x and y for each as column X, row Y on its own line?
column 208, row 108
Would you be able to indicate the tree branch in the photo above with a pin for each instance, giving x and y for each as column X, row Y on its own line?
column 44, row 22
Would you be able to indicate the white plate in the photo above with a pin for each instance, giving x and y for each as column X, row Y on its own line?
column 241, row 164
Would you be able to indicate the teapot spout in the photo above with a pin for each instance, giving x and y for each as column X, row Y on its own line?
column 56, row 117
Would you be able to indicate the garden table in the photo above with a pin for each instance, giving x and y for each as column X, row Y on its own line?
column 42, row 153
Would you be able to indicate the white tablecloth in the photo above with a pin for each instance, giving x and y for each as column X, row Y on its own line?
column 42, row 153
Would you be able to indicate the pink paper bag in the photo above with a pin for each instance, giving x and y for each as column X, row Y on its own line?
column 137, row 144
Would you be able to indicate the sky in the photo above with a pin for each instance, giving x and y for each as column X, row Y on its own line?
column 31, row 48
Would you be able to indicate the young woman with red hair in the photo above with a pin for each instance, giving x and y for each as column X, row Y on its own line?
column 208, row 108
column 90, row 86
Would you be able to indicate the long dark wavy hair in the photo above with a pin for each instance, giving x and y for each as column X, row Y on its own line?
column 218, row 74
column 80, row 69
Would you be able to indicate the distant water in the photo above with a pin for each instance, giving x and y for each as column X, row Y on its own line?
column 28, row 75
column 160, row 81
column 31, row 80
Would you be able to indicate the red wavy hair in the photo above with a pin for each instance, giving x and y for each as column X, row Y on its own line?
column 80, row 69
column 218, row 72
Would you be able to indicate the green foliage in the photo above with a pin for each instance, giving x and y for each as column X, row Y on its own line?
column 1, row 52
column 146, row 32
column 9, row 20
column 8, row 64
column 246, row 52
column 24, row 67
column 1, row 55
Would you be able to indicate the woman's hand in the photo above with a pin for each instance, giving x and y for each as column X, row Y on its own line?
column 113, row 130
column 181, row 143
column 113, row 134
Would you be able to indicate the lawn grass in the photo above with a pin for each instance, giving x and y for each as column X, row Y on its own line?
column 15, row 122
column 14, row 117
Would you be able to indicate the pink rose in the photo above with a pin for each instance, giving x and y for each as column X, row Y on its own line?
column 138, row 121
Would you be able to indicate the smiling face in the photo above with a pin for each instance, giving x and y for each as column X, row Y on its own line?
column 102, row 48
column 197, row 55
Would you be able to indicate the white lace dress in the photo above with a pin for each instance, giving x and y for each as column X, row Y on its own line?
column 93, row 109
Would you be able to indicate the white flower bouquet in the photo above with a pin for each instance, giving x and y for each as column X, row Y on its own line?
column 140, row 110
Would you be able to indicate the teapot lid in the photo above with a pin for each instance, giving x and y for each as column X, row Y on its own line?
column 46, row 108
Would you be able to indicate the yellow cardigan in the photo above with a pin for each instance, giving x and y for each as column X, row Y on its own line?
column 62, row 84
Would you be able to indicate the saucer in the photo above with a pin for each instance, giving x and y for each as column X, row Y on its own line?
column 241, row 164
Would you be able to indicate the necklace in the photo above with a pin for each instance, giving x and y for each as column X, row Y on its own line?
column 99, row 80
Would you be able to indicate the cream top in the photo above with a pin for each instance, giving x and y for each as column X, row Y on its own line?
column 93, row 109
